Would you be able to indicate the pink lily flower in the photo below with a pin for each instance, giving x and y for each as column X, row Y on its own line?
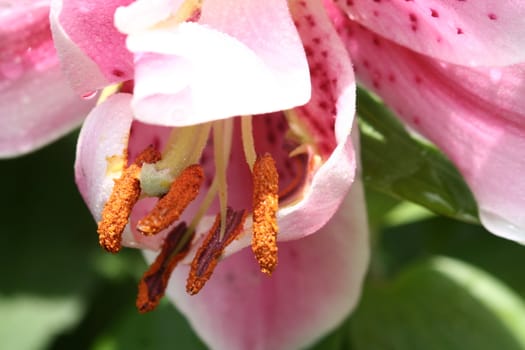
column 436, row 66
column 37, row 104
column 212, row 73
column 195, row 64
column 318, row 278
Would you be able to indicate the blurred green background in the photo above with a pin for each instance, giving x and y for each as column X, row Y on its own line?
column 434, row 283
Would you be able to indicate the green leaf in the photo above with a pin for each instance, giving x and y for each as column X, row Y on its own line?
column 335, row 340
column 163, row 328
column 398, row 164
column 48, row 239
column 440, row 304
column 403, row 245
column 32, row 322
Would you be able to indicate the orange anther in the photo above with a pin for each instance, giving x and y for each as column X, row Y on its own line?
column 168, row 209
column 124, row 195
column 265, row 206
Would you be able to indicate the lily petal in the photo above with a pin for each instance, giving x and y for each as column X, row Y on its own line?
column 239, row 67
column 37, row 104
column 316, row 285
column 92, row 51
column 476, row 116
column 480, row 33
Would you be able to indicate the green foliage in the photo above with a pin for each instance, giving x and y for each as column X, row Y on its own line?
column 440, row 304
column 160, row 329
column 44, row 249
column 405, row 167
column 32, row 321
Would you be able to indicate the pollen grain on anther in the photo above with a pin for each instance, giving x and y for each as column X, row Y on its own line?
column 212, row 247
column 125, row 193
column 153, row 284
column 265, row 206
column 168, row 209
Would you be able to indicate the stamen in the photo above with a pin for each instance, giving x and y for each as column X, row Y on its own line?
column 300, row 162
column 222, row 136
column 212, row 248
column 247, row 140
column 168, row 209
column 108, row 91
column 265, row 206
column 184, row 147
column 298, row 131
column 185, row 11
column 124, row 195
column 153, row 284
column 205, row 205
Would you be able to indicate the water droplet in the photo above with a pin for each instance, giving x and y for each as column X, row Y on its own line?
column 89, row 95
column 495, row 75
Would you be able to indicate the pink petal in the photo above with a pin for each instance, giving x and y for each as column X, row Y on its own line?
column 476, row 116
column 92, row 51
column 243, row 57
column 463, row 32
column 316, row 285
column 37, row 104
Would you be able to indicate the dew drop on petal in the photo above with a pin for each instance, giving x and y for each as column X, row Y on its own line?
column 89, row 95
column 495, row 75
